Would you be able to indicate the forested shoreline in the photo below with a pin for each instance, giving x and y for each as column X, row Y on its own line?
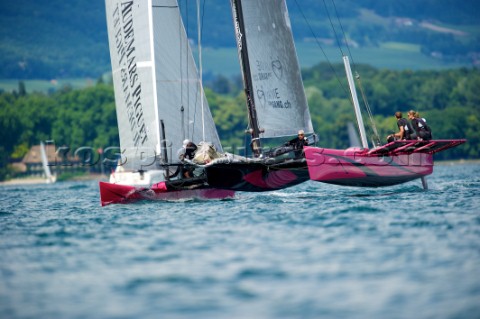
column 449, row 100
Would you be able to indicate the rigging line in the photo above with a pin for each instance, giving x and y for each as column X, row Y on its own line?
column 201, row 36
column 245, row 146
column 364, row 97
column 333, row 28
column 203, row 15
column 344, row 35
column 191, row 133
column 367, row 106
column 181, row 79
column 321, row 49
column 199, row 93
column 199, row 33
column 187, row 71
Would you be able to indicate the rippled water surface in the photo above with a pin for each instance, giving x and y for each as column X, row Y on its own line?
column 312, row 251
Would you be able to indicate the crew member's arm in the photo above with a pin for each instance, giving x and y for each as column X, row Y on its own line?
column 400, row 134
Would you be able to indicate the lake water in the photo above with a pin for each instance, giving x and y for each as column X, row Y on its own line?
column 312, row 251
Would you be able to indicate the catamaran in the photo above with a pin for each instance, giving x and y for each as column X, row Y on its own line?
column 276, row 102
column 159, row 103
column 394, row 163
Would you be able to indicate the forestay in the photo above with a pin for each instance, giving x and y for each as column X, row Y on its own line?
column 156, row 82
column 277, row 88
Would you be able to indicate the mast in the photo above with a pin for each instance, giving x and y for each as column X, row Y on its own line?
column 356, row 106
column 246, row 75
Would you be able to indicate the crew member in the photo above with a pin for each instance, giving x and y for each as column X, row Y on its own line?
column 298, row 143
column 405, row 130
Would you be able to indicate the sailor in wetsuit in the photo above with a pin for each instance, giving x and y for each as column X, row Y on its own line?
column 405, row 130
column 298, row 143
column 420, row 126
column 189, row 149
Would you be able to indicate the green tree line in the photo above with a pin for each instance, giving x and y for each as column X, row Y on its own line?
column 68, row 117
column 449, row 100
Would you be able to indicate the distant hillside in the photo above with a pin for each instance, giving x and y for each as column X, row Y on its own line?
column 68, row 39
column 55, row 38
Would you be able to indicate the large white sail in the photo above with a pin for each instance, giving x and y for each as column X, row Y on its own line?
column 276, row 83
column 157, row 90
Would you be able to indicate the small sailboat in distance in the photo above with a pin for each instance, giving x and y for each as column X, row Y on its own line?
column 159, row 103
column 49, row 177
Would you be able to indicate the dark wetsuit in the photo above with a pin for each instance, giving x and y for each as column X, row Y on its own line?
column 189, row 154
column 422, row 129
column 190, row 151
column 408, row 132
column 298, row 144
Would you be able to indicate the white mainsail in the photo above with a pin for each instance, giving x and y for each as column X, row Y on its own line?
column 157, row 90
column 276, row 83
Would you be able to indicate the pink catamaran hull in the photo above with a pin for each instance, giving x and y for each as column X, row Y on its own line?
column 394, row 163
column 123, row 194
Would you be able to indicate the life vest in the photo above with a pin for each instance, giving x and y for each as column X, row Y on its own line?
column 424, row 130
column 407, row 128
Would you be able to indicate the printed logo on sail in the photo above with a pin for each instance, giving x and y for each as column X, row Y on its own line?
column 263, row 71
column 277, row 68
column 280, row 104
column 272, row 98
column 131, row 86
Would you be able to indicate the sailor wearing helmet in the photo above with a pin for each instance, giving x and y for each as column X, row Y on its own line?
column 188, row 150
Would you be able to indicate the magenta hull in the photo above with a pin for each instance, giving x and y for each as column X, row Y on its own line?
column 391, row 164
column 355, row 167
column 123, row 194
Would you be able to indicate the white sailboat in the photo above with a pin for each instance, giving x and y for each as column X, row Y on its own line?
column 159, row 103
column 49, row 177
